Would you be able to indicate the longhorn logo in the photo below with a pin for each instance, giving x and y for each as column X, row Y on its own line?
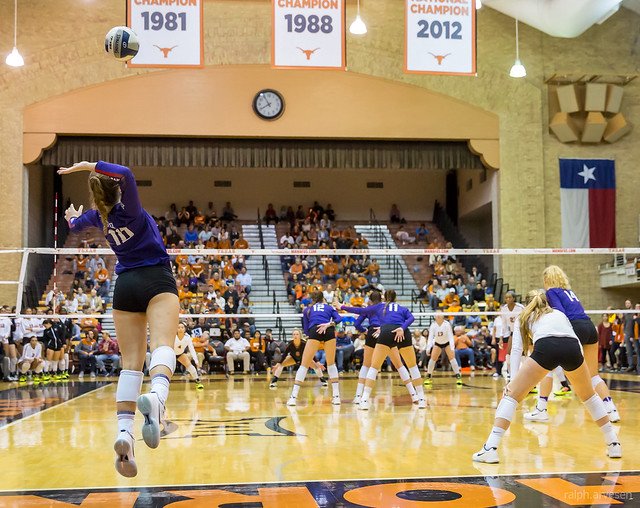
column 308, row 52
column 439, row 58
column 165, row 51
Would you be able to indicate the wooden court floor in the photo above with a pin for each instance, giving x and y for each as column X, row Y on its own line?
column 237, row 442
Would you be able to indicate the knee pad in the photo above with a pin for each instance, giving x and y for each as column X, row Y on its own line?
column 129, row 385
column 13, row 362
column 301, row 374
column 596, row 407
column 163, row 355
column 596, row 380
column 332, row 370
column 363, row 372
column 415, row 372
column 372, row 374
column 506, row 408
column 404, row 373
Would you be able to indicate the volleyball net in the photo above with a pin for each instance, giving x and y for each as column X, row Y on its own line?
column 467, row 285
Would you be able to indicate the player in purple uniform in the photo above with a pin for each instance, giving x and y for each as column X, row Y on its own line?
column 562, row 298
column 145, row 293
column 371, row 314
column 393, row 333
column 318, row 323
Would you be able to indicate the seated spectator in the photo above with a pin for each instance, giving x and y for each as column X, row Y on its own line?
column 205, row 235
column 420, row 340
column 403, row 237
column 213, row 350
column 451, row 299
column 86, row 350
column 481, row 347
column 394, row 215
column 80, row 263
column 95, row 304
column 210, row 213
column 108, row 350
column 475, row 319
column 344, row 350
column 258, row 348
column 238, row 349
column 71, row 305
column 466, row 300
column 270, row 215
column 422, row 233
column 240, row 243
column 197, row 271
column 358, row 347
column 184, row 217
column 172, row 214
column 227, row 213
column 463, row 347
column 191, row 235
column 217, row 283
column 191, row 208
column 199, row 219
column 330, row 213
column 357, row 300
column 478, row 293
column 103, row 282
column 88, row 323
column 244, row 280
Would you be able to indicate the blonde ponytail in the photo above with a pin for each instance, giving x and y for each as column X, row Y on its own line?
column 105, row 193
column 536, row 306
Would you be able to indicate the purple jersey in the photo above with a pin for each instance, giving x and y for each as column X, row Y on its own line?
column 132, row 233
column 566, row 302
column 318, row 314
column 372, row 313
column 394, row 314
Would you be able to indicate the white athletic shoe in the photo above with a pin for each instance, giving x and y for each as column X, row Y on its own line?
column 489, row 456
column 153, row 411
column 125, row 461
column 614, row 450
column 614, row 416
column 537, row 416
column 335, row 400
column 415, row 398
column 291, row 402
column 422, row 404
column 357, row 399
column 365, row 404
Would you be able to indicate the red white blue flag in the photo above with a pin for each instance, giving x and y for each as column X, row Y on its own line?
column 588, row 202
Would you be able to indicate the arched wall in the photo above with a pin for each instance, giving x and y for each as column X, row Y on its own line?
column 238, row 32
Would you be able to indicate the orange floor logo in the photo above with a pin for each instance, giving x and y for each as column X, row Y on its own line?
column 574, row 489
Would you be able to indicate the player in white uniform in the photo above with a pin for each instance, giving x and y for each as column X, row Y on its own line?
column 554, row 344
column 441, row 338
column 10, row 359
column 181, row 344
column 509, row 312
column 31, row 360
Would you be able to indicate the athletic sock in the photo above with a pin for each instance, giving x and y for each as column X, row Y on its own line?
column 359, row 389
column 366, row 393
column 610, row 435
column 541, row 405
column 455, row 366
column 192, row 372
column 419, row 390
column 608, row 403
column 125, row 421
column 295, row 391
column 493, row 441
column 160, row 386
column 335, row 389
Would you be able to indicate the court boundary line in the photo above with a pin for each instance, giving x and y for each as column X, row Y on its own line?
column 121, row 488
column 20, row 420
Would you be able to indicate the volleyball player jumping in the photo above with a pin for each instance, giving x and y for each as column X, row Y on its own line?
column 554, row 343
column 145, row 293
column 371, row 313
column 318, row 322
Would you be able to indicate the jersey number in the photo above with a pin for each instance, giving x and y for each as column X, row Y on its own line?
column 571, row 295
column 392, row 307
column 318, row 307
column 121, row 235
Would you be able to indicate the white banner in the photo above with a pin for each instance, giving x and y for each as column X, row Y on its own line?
column 170, row 32
column 308, row 34
column 440, row 37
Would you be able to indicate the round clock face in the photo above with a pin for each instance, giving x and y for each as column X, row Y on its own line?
column 268, row 104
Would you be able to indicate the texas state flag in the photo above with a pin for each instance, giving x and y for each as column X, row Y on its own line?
column 588, row 202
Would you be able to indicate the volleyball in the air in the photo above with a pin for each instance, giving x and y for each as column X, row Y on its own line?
column 122, row 43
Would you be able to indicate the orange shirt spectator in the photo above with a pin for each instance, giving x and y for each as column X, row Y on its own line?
column 88, row 323
column 197, row 268
column 357, row 301
column 217, row 282
column 451, row 298
column 225, row 243
column 184, row 293
column 102, row 275
column 229, row 271
column 296, row 268
column 462, row 341
column 343, row 283
column 330, row 268
column 240, row 243
column 373, row 268
column 181, row 259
